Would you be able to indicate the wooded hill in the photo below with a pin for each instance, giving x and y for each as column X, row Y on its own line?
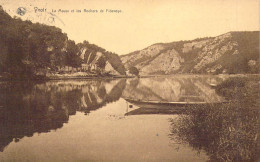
column 28, row 49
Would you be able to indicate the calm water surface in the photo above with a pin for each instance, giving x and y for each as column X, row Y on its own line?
column 91, row 120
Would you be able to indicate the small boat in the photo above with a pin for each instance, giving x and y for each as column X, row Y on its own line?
column 166, row 104
column 167, row 111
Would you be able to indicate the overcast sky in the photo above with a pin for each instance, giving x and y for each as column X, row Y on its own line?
column 141, row 22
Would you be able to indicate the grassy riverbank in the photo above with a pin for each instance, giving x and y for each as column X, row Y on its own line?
column 229, row 132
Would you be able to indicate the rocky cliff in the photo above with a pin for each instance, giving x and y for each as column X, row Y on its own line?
column 233, row 52
column 94, row 55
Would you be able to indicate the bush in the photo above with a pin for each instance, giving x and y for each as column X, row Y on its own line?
column 133, row 70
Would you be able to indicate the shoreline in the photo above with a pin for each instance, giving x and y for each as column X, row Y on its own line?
column 49, row 78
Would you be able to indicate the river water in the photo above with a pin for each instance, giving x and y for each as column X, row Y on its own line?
column 90, row 120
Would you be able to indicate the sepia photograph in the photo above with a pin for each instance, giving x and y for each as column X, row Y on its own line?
column 130, row 80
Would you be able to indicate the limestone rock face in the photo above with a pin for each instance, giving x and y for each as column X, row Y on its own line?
column 167, row 62
column 91, row 58
column 109, row 68
column 227, row 53
column 148, row 53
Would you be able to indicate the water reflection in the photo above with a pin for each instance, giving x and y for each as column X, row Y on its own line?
column 170, row 95
column 27, row 108
column 225, row 132
column 178, row 89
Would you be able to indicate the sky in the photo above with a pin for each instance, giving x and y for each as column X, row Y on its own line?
column 139, row 23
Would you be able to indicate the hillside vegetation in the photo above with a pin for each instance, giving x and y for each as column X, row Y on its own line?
column 31, row 50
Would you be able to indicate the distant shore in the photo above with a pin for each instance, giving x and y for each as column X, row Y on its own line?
column 96, row 76
column 86, row 77
column 62, row 77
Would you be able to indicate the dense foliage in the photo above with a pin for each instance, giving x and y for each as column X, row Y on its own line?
column 28, row 48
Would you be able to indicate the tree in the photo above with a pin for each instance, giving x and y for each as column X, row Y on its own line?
column 133, row 70
column 101, row 62
column 72, row 57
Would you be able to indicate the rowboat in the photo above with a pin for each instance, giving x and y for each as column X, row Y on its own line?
column 167, row 104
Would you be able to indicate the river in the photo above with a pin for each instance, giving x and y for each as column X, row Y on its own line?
column 90, row 120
